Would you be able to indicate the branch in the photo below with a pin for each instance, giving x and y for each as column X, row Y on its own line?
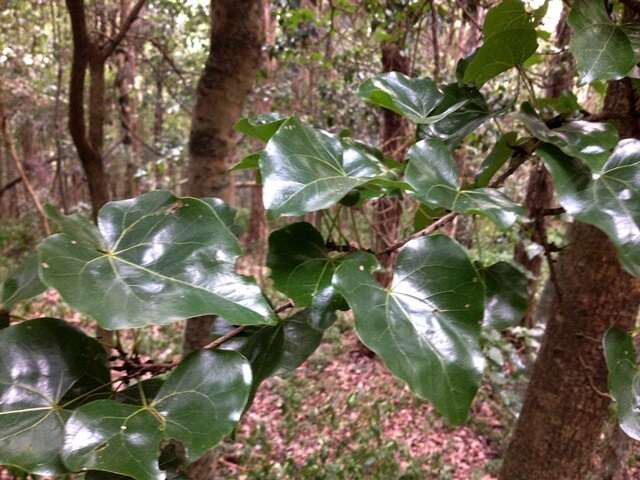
column 520, row 155
column 550, row 212
column 82, row 48
column 238, row 330
column 441, row 222
column 110, row 47
column 11, row 151
column 12, row 183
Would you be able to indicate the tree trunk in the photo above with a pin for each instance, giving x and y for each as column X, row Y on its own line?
column 393, row 136
column 540, row 187
column 237, row 35
column 126, row 63
column 565, row 406
column 256, row 237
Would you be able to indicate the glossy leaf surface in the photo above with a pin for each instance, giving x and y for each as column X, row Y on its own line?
column 153, row 260
column 306, row 169
column 262, row 127
column 302, row 268
column 426, row 325
column 433, row 173
column 247, row 163
column 500, row 153
column 591, row 142
column 413, row 98
column 22, row 284
column 509, row 39
column 200, row 403
column 507, row 297
column 608, row 198
column 299, row 262
column 300, row 341
column 602, row 49
column 46, row 368
column 624, row 379
column 454, row 127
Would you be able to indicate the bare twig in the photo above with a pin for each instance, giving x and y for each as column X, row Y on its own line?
column 441, row 222
column 238, row 330
column 521, row 154
column 550, row 212
column 124, row 28
column 11, row 151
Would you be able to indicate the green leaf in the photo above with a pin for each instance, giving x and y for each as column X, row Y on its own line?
column 608, row 198
column 264, row 349
column 426, row 325
column 46, row 367
column 602, row 49
column 199, row 404
column 75, row 225
column 501, row 152
column 153, row 260
column 432, row 172
column 509, row 40
column 414, row 98
column 300, row 341
column 589, row 141
column 299, row 262
column 22, row 284
column 139, row 391
column 454, row 127
column 305, row 169
column 425, row 215
column 624, row 379
column 302, row 269
column 507, row 297
column 247, row 163
column 262, row 127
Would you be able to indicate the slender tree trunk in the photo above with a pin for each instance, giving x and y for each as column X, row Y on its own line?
column 540, row 187
column 237, row 36
column 393, row 136
column 91, row 54
column 125, row 59
column 257, row 232
column 565, row 406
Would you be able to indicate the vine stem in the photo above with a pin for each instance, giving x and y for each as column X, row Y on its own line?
column 441, row 222
column 238, row 330
column 518, row 158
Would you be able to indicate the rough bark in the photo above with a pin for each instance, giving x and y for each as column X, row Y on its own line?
column 227, row 79
column 565, row 408
column 237, row 35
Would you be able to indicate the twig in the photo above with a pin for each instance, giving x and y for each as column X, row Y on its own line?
column 468, row 15
column 126, row 25
column 550, row 212
column 521, row 154
column 441, row 222
column 11, row 151
column 238, row 330
column 434, row 41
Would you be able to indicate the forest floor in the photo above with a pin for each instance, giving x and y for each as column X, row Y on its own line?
column 343, row 416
